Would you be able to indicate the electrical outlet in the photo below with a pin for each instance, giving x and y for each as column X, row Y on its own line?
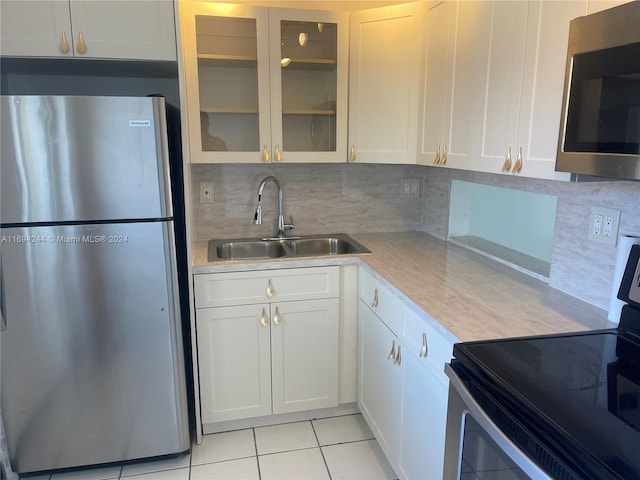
column 603, row 225
column 206, row 192
column 410, row 187
column 597, row 224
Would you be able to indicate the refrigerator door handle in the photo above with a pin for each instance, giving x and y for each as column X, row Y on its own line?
column 3, row 312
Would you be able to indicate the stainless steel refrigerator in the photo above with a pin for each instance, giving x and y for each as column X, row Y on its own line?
column 91, row 347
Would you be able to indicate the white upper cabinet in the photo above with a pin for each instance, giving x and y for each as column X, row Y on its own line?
column 384, row 84
column 525, row 45
column 265, row 85
column 89, row 29
column 451, row 40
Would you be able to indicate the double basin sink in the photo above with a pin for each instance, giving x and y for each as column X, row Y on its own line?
column 308, row 246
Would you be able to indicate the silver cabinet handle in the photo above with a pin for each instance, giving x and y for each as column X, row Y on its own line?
column 436, row 160
column 270, row 291
column 398, row 359
column 276, row 317
column 424, row 351
column 392, row 353
column 352, row 153
column 3, row 311
column 374, row 304
column 507, row 163
column 264, row 319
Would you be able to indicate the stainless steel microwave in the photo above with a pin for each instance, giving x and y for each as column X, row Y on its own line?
column 600, row 126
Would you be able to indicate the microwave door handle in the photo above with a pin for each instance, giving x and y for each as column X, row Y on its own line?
column 480, row 416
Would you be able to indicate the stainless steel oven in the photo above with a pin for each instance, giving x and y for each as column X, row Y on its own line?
column 563, row 407
column 476, row 446
column 600, row 127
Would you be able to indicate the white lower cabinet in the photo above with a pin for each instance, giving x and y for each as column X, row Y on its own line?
column 268, row 357
column 424, row 406
column 304, row 355
column 402, row 390
column 234, row 357
column 379, row 381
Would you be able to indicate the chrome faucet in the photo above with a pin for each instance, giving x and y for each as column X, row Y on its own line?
column 257, row 218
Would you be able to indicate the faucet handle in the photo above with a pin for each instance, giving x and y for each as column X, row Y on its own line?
column 289, row 226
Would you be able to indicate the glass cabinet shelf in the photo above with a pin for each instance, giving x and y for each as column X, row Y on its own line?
column 312, row 64
column 231, row 111
column 309, row 112
column 218, row 60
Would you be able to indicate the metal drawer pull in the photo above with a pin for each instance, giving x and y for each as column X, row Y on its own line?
column 392, row 353
column 81, row 47
column 507, row 163
column 398, row 359
column 374, row 304
column 64, row 44
column 424, row 351
column 264, row 320
column 436, row 160
column 270, row 291
column 276, row 317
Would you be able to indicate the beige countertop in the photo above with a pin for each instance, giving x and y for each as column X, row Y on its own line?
column 471, row 296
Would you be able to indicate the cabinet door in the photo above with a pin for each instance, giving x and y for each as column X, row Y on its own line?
column 226, row 73
column 304, row 345
column 234, row 361
column 439, row 45
column 454, row 36
column 35, row 28
column 143, row 29
column 503, row 57
column 308, row 83
column 543, row 84
column 424, row 414
column 379, row 381
column 384, row 84
column 524, row 50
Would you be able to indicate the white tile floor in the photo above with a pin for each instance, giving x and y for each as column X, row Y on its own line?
column 338, row 448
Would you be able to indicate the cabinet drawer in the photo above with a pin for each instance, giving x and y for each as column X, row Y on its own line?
column 382, row 301
column 243, row 288
column 438, row 350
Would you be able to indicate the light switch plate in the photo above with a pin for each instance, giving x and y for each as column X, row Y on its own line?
column 410, row 187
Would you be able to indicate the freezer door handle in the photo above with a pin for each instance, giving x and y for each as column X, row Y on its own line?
column 3, row 312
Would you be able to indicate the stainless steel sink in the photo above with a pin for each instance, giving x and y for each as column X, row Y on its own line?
column 310, row 246
column 245, row 249
column 306, row 247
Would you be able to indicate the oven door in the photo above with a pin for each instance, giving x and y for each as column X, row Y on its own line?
column 475, row 447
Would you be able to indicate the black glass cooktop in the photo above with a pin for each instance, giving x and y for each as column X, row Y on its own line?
column 579, row 392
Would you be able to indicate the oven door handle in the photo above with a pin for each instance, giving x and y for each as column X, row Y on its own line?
column 480, row 416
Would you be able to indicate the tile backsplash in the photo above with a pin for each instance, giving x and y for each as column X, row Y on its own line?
column 356, row 198
column 330, row 198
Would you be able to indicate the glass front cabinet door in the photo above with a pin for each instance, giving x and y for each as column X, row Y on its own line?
column 264, row 84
